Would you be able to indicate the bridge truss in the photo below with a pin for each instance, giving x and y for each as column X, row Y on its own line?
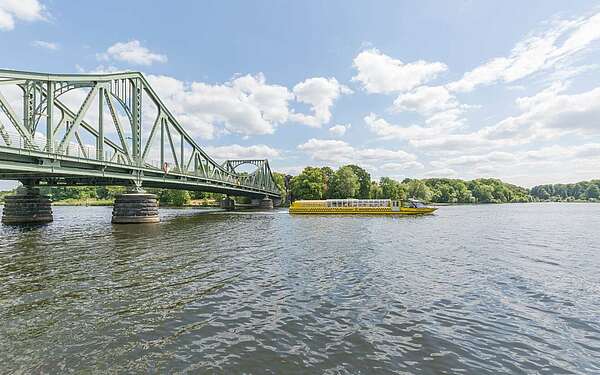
column 118, row 132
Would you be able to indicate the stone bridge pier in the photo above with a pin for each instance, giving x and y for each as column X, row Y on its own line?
column 266, row 203
column 135, row 207
column 28, row 206
column 227, row 203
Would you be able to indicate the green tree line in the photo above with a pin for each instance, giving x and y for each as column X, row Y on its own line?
column 352, row 181
column 584, row 190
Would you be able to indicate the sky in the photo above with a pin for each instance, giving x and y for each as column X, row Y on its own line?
column 461, row 89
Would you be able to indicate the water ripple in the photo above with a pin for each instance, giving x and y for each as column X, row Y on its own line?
column 474, row 289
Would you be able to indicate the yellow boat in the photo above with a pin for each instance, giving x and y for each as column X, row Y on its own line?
column 360, row 206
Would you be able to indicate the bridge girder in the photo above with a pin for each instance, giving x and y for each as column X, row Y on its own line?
column 57, row 153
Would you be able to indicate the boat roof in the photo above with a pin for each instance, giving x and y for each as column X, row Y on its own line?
column 354, row 199
column 344, row 200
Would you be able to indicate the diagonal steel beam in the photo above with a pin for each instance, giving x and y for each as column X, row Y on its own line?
column 117, row 122
column 151, row 136
column 192, row 158
column 67, row 113
column 12, row 116
column 5, row 135
column 81, row 146
column 82, row 111
column 172, row 146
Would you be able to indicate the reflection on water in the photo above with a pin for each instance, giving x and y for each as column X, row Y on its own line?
column 474, row 289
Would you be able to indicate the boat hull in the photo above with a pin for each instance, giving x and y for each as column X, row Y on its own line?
column 361, row 210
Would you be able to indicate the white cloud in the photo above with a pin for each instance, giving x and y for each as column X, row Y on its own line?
column 328, row 150
column 453, row 142
column 557, row 152
column 245, row 105
column 24, row 10
column 396, row 168
column 426, row 100
column 466, row 160
column 293, row 170
column 546, row 115
column 535, row 53
column 339, row 129
column 100, row 69
column 554, row 164
column 131, row 52
column 439, row 107
column 379, row 73
column 437, row 138
column 550, row 114
column 320, row 93
column 236, row 151
column 441, row 173
column 271, row 99
column 338, row 152
column 388, row 131
column 6, row 20
column 450, row 118
column 45, row 45
column 551, row 164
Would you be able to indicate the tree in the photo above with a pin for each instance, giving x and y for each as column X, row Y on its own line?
column 364, row 180
column 463, row 195
column 375, row 191
column 327, row 178
column 482, row 192
column 109, row 192
column 308, row 184
column 417, row 189
column 279, row 179
column 344, row 184
column 197, row 194
column 392, row 189
column 174, row 197
column 592, row 192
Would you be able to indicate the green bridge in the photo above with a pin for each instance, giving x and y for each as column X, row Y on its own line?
column 107, row 129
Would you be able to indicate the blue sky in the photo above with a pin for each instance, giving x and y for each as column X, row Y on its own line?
column 407, row 89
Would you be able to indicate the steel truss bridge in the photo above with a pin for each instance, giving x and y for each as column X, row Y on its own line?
column 119, row 132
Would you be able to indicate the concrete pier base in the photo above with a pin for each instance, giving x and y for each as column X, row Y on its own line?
column 266, row 203
column 28, row 206
column 135, row 208
column 227, row 203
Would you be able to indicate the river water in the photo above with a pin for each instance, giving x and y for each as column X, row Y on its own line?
column 473, row 289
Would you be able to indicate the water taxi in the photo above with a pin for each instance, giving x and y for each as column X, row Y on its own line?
column 361, row 206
